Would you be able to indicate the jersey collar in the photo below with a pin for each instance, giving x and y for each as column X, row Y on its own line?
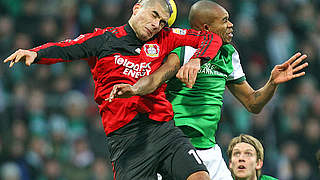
column 133, row 36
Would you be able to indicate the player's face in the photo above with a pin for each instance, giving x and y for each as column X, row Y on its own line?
column 221, row 25
column 243, row 163
column 147, row 21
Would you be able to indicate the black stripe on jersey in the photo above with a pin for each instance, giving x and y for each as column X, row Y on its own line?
column 88, row 48
column 183, row 49
column 198, row 34
column 113, row 30
column 195, row 34
column 211, row 38
column 203, row 43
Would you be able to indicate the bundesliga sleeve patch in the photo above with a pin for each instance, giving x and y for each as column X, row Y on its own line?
column 179, row 31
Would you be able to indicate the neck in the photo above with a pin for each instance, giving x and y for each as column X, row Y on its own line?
column 130, row 22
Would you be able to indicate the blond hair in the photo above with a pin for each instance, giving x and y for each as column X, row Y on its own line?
column 244, row 138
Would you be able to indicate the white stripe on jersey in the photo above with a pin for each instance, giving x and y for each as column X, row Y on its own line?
column 188, row 53
column 237, row 68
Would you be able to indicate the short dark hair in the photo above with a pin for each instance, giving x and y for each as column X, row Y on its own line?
column 201, row 13
column 163, row 3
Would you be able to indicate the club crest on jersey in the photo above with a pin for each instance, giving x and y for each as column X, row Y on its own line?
column 179, row 31
column 152, row 50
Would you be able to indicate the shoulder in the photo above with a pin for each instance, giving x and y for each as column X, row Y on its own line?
column 113, row 31
column 232, row 51
column 229, row 48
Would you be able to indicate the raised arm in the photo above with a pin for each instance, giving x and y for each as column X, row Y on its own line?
column 21, row 55
column 148, row 84
column 255, row 100
column 83, row 47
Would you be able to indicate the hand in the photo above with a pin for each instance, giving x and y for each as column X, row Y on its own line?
column 288, row 70
column 121, row 91
column 27, row 56
column 188, row 72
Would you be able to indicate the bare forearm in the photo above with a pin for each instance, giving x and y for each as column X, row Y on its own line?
column 145, row 85
column 148, row 84
column 255, row 100
column 259, row 98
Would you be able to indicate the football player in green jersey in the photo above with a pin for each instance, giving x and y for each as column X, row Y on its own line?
column 246, row 158
column 197, row 110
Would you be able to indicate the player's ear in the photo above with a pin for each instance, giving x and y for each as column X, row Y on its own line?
column 205, row 27
column 136, row 8
column 259, row 164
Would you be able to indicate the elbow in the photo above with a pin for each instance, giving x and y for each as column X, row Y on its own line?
column 254, row 109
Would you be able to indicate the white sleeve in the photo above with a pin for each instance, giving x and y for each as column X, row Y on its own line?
column 189, row 51
column 237, row 68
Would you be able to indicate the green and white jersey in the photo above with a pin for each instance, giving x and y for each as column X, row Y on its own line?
column 265, row 177
column 199, row 108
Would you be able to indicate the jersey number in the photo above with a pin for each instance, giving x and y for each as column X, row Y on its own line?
column 195, row 155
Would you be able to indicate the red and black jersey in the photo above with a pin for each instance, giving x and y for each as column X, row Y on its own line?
column 115, row 55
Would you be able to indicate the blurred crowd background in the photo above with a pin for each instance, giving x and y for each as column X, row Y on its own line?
column 50, row 128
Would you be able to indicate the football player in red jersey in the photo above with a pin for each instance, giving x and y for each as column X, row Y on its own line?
column 141, row 137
